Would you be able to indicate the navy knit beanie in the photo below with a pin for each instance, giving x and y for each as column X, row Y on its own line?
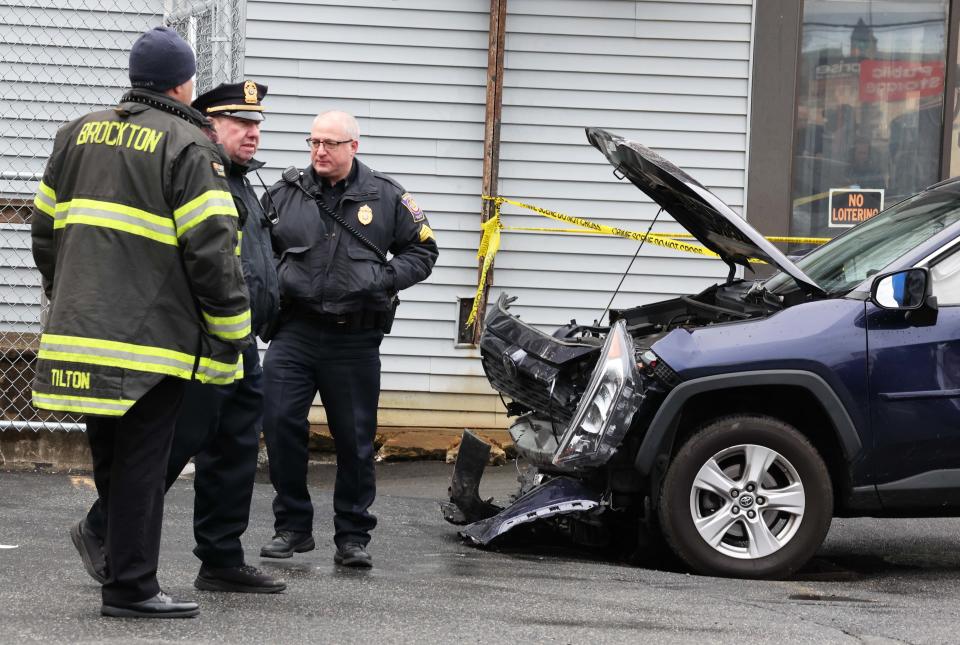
column 160, row 59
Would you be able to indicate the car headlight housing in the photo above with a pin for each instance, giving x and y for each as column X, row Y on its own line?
column 606, row 409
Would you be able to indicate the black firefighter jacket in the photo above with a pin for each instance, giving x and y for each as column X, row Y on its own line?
column 324, row 269
column 135, row 233
column 256, row 254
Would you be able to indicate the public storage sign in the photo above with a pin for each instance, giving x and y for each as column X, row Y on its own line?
column 895, row 80
column 850, row 206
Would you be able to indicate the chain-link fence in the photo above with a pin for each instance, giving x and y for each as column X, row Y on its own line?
column 60, row 59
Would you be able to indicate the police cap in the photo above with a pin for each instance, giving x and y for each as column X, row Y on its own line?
column 240, row 100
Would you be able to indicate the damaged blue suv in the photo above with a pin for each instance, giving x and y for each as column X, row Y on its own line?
column 738, row 421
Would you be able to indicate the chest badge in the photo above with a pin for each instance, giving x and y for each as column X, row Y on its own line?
column 365, row 215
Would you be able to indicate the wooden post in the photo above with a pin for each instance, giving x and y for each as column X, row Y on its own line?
column 491, row 135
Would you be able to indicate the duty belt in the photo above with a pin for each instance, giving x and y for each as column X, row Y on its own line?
column 351, row 320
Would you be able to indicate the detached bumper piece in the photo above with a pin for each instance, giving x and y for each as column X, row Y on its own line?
column 465, row 505
column 556, row 497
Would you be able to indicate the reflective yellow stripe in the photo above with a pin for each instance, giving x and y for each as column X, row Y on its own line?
column 142, row 358
column 202, row 207
column 115, row 216
column 145, row 350
column 228, row 327
column 239, row 242
column 124, row 363
column 218, row 373
column 46, row 199
column 95, row 351
column 82, row 404
column 226, row 320
column 47, row 190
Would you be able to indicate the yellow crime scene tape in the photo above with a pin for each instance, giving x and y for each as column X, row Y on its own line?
column 492, row 228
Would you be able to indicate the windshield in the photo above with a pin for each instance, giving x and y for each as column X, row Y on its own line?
column 845, row 262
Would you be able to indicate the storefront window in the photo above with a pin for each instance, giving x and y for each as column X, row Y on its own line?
column 869, row 109
column 955, row 128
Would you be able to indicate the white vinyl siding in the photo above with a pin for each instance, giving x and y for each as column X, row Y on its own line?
column 671, row 75
column 58, row 61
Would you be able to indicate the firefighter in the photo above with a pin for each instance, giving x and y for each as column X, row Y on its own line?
column 134, row 232
column 219, row 425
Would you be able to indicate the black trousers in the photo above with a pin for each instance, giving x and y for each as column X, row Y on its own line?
column 219, row 425
column 344, row 367
column 130, row 455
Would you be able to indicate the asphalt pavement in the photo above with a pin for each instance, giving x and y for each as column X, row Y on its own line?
column 874, row 581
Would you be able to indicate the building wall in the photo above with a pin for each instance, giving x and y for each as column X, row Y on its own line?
column 671, row 75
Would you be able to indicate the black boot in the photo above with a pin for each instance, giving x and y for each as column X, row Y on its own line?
column 353, row 555
column 285, row 543
column 244, row 579
column 159, row 606
column 91, row 551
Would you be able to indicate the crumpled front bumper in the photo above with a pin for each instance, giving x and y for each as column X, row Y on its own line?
column 486, row 521
column 555, row 497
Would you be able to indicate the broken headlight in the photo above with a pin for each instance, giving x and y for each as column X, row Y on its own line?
column 606, row 409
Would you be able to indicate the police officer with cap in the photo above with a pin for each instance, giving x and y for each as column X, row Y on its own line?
column 219, row 425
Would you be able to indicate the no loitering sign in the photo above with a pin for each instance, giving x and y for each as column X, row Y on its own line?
column 850, row 206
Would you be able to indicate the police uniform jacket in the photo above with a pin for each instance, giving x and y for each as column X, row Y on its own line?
column 135, row 232
column 256, row 254
column 323, row 269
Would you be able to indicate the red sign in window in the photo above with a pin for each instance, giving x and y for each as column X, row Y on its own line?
column 895, row 80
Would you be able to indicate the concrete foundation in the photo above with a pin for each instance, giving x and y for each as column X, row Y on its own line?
column 58, row 451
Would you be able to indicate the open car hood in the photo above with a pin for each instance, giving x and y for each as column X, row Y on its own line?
column 694, row 207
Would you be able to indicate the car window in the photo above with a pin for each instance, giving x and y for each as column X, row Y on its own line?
column 945, row 276
column 848, row 260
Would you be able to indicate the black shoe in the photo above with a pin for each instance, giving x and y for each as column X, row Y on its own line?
column 285, row 543
column 244, row 579
column 160, row 606
column 91, row 551
column 353, row 555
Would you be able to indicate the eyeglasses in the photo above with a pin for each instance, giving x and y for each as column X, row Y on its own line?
column 327, row 144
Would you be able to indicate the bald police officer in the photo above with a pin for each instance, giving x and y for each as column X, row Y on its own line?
column 338, row 221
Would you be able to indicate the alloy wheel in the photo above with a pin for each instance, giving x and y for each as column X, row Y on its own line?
column 747, row 501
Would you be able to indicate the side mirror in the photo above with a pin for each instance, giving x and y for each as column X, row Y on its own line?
column 905, row 290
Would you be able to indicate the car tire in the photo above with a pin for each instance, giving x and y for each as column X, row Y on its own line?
column 766, row 528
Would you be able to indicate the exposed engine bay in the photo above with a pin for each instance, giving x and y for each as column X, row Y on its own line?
column 583, row 397
column 546, row 377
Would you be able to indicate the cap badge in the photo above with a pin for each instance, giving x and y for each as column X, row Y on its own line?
column 249, row 92
column 365, row 214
